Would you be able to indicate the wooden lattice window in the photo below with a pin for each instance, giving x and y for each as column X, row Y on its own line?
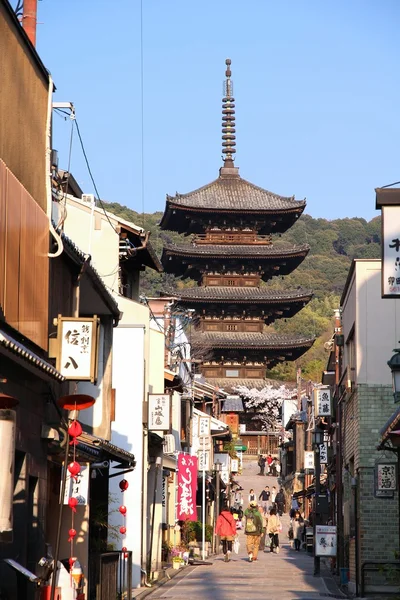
column 231, row 282
column 232, row 327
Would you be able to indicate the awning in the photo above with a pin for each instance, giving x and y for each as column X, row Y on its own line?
column 100, row 449
column 391, row 426
column 169, row 462
column 26, row 358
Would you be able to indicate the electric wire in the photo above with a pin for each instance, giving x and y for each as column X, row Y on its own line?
column 91, row 176
column 142, row 107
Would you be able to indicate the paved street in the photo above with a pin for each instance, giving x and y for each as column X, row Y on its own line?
column 284, row 576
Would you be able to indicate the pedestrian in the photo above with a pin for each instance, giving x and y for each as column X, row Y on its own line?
column 252, row 496
column 226, row 529
column 273, row 495
column 280, row 502
column 264, row 497
column 273, row 528
column 269, row 462
column 264, row 530
column 294, row 506
column 261, row 464
column 278, row 468
column 253, row 530
column 298, row 528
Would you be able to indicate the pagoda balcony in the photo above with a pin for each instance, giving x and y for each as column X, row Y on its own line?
column 232, row 237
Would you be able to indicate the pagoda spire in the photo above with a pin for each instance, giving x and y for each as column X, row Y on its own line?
column 228, row 119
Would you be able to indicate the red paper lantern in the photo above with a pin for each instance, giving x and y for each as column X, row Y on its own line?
column 123, row 485
column 74, row 430
column 124, row 548
column 122, row 510
column 126, row 555
column 72, row 534
column 74, row 468
column 122, row 530
column 72, row 503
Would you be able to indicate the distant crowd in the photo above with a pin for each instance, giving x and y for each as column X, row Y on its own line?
column 269, row 465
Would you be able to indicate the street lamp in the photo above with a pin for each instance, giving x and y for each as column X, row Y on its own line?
column 217, row 469
column 394, row 365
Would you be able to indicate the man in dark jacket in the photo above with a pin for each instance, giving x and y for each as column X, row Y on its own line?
column 264, row 497
column 253, row 530
column 280, row 502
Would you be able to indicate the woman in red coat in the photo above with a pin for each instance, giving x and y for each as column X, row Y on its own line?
column 226, row 529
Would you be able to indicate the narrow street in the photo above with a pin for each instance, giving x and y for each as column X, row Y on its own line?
column 284, row 576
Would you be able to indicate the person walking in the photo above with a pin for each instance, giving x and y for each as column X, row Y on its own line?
column 280, row 502
column 273, row 528
column 273, row 495
column 264, row 529
column 264, row 497
column 253, row 530
column 261, row 464
column 226, row 529
column 298, row 528
column 252, row 496
column 269, row 462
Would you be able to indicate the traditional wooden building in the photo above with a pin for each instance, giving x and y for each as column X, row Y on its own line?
column 231, row 255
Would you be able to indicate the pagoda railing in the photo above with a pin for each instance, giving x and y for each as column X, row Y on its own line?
column 232, row 238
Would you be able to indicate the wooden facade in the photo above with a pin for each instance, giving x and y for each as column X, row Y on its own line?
column 24, row 85
column 24, row 264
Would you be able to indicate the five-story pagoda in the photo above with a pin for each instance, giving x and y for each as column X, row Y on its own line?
column 231, row 256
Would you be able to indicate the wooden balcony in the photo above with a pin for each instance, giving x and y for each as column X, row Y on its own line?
column 232, row 238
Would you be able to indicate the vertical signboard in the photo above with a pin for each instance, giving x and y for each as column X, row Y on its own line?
column 325, row 540
column 158, row 419
column 322, row 402
column 77, row 345
column 390, row 251
column 187, row 487
column 308, row 459
column 385, row 479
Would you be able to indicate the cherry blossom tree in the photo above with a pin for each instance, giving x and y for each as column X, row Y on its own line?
column 265, row 403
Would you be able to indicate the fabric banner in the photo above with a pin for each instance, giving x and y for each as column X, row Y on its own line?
column 187, row 487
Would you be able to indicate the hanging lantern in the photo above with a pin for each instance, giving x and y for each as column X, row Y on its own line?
column 74, row 430
column 72, row 534
column 73, row 503
column 122, row 510
column 124, row 548
column 123, row 485
column 74, row 468
column 122, row 530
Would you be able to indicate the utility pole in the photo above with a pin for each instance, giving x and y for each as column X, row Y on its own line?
column 317, row 470
column 339, row 488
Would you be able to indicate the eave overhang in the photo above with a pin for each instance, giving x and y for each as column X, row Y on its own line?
column 20, row 353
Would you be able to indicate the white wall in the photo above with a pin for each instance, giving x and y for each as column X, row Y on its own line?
column 377, row 325
column 127, row 433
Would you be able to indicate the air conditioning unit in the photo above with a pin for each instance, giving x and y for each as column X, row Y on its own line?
column 169, row 444
column 88, row 199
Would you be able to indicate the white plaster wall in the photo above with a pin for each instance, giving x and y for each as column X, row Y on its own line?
column 104, row 242
column 127, row 433
column 349, row 315
column 377, row 325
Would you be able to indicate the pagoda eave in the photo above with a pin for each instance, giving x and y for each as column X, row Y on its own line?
column 185, row 219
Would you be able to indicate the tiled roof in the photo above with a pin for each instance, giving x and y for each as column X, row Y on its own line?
column 235, row 193
column 241, row 294
column 233, row 404
column 237, row 251
column 273, row 341
column 20, row 350
column 229, row 384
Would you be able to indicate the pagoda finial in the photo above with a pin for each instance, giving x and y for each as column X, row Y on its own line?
column 228, row 118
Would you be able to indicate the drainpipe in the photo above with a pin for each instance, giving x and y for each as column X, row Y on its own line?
column 153, row 514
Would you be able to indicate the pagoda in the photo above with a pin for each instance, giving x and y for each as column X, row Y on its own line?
column 231, row 256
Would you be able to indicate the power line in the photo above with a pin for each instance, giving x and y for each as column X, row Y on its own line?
column 91, row 176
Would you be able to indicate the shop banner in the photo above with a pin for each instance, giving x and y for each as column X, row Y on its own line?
column 187, row 487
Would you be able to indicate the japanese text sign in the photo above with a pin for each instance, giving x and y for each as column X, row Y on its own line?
column 159, row 412
column 187, row 487
column 77, row 357
column 308, row 460
column 385, row 480
column 322, row 400
column 325, row 540
column 391, row 251
column 204, row 460
column 78, row 486
column 323, row 453
column 204, row 426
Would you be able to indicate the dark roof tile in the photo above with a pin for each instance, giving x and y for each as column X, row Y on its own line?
column 241, row 294
column 273, row 341
column 239, row 250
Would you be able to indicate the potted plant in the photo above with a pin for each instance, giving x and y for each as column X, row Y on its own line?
column 177, row 562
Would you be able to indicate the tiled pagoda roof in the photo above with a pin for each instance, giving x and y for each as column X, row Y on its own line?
column 266, row 341
column 238, row 250
column 234, row 193
column 242, row 294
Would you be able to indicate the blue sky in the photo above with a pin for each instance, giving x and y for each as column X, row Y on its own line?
column 315, row 81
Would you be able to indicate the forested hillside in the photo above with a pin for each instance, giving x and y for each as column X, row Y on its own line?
column 333, row 246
